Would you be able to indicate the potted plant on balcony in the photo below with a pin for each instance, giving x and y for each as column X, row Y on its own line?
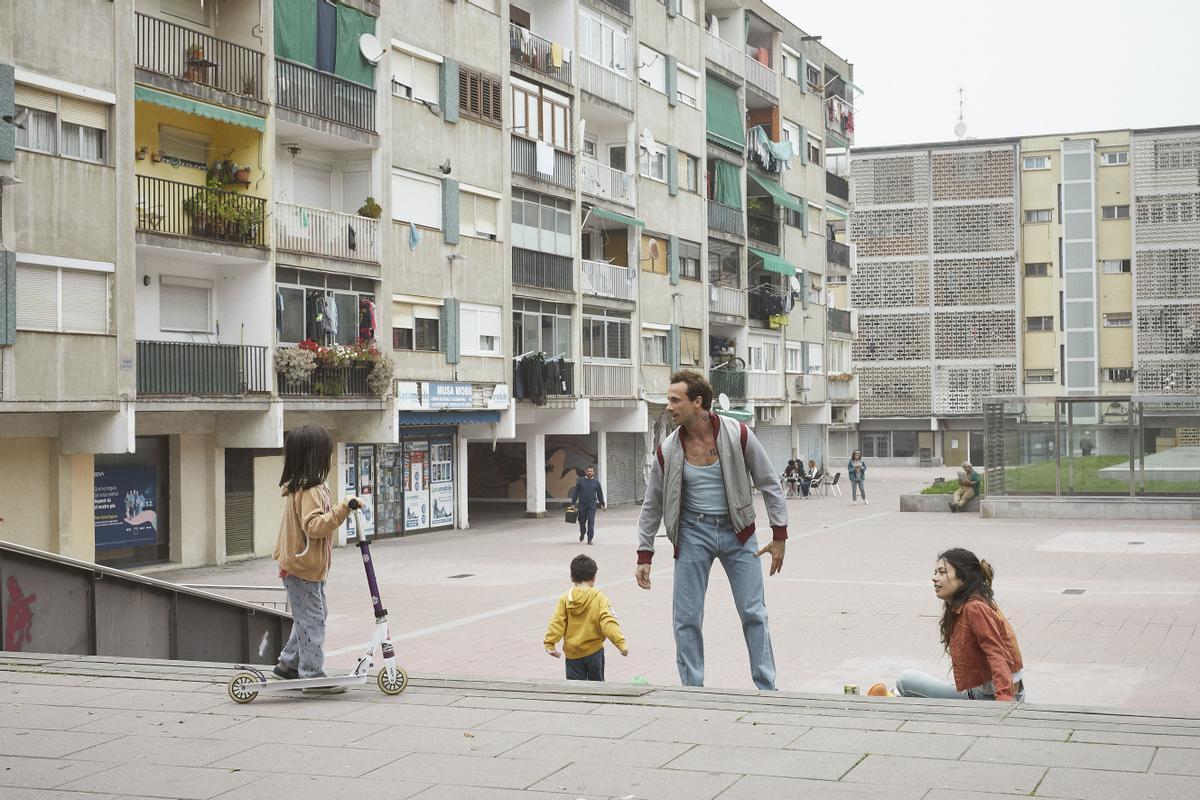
column 194, row 70
column 249, row 218
column 295, row 365
column 370, row 209
column 198, row 208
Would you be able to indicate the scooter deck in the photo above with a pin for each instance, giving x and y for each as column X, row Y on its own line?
column 310, row 683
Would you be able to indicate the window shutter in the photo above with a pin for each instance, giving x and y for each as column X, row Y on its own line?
column 32, row 97
column 673, row 347
column 8, row 298
column 183, row 308
column 81, row 112
column 803, row 145
column 450, row 211
column 465, row 77
column 84, row 301
column 449, row 90
column 449, row 325
column 486, row 212
column 8, row 141
column 673, row 170
column 37, row 298
column 491, row 108
column 673, row 260
column 672, row 81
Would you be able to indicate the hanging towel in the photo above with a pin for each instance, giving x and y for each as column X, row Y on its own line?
column 556, row 55
column 545, row 158
column 414, row 236
column 331, row 317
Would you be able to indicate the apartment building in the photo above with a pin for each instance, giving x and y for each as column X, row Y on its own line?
column 1036, row 266
column 472, row 242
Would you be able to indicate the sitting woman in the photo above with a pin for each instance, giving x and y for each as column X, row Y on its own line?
column 982, row 646
column 811, row 478
column 790, row 478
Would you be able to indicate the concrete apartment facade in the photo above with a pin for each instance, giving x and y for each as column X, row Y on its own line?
column 192, row 266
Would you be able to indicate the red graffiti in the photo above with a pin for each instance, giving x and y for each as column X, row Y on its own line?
column 18, row 625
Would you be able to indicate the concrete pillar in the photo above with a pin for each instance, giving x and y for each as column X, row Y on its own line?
column 71, row 512
column 193, row 530
column 535, row 475
column 460, row 483
column 602, row 459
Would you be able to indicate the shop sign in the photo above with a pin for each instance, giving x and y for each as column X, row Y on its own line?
column 448, row 395
column 408, row 394
column 500, row 399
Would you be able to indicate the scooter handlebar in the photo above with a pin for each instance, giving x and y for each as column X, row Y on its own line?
column 354, row 504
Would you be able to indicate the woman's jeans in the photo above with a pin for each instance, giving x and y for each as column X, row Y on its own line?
column 912, row 683
column 857, row 488
column 703, row 538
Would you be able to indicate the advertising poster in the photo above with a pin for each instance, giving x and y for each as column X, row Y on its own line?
column 441, row 496
column 416, row 511
column 416, row 485
column 125, row 501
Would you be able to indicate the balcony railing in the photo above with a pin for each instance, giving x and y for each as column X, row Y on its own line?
column 524, row 162
column 556, row 379
column 725, row 218
column 727, row 300
column 347, row 381
column 527, row 48
column 843, row 391
column 184, row 209
column 605, row 83
column 542, row 270
column 321, row 94
column 608, row 380
column 320, row 232
column 839, row 320
column 763, row 230
column 764, row 385
column 179, row 52
column 619, row 5
column 601, row 180
column 839, row 116
column 762, row 76
column 602, row 279
column 731, row 382
column 724, row 54
column 194, row 369
column 837, row 186
column 837, row 253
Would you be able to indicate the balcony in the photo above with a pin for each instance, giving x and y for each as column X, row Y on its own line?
column 725, row 219
column 601, row 180
column 839, row 117
column 325, row 381
column 842, row 391
column 542, row 270
column 838, row 320
column 724, row 55
column 601, row 279
column 762, row 76
column 764, row 385
column 605, row 83
column 524, row 162
column 320, row 232
column 837, row 186
column 184, row 209
column 530, row 50
column 731, row 382
column 619, row 5
column 193, row 369
column 608, row 380
column 837, row 253
column 763, row 231
column 187, row 55
column 321, row 94
column 557, row 379
column 727, row 300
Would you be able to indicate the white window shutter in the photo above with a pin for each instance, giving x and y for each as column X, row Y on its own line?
column 33, row 97
column 185, row 308
column 402, row 315
column 486, row 212
column 425, row 81
column 81, row 112
column 84, row 301
column 37, row 298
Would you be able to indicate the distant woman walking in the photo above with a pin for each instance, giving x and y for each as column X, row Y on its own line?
column 856, row 470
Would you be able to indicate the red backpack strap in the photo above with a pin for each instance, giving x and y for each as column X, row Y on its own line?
column 745, row 433
column 661, row 464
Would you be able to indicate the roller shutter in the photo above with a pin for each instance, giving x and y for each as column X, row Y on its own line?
column 777, row 441
column 623, row 468
column 812, row 444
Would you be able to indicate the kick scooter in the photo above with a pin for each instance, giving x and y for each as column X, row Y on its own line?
column 392, row 679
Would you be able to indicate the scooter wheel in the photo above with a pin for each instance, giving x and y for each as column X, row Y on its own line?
column 394, row 686
column 241, row 688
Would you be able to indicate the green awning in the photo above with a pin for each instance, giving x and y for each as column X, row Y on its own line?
column 740, row 414
column 189, row 106
column 724, row 114
column 781, row 196
column 774, row 263
column 837, row 211
column 604, row 213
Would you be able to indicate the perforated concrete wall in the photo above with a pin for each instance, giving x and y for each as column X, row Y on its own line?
column 890, row 233
column 883, row 179
column 973, row 229
column 892, row 337
column 893, row 391
column 975, row 334
column 975, row 281
column 962, row 390
column 1168, row 274
column 891, row 284
column 973, row 174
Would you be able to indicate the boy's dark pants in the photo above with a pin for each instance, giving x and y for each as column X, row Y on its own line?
column 588, row 668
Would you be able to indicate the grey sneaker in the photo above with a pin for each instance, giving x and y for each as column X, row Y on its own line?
column 284, row 673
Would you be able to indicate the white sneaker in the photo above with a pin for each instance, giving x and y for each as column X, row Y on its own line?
column 853, row 502
column 865, row 503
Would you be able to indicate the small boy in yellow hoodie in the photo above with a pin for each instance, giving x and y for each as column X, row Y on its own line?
column 583, row 619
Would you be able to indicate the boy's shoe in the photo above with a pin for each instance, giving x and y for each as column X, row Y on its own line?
column 590, row 541
column 581, row 537
column 326, row 690
column 284, row 673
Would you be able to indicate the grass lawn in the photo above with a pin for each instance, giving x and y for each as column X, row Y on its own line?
column 1086, row 479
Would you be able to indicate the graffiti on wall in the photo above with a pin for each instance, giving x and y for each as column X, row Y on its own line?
column 501, row 473
column 18, row 622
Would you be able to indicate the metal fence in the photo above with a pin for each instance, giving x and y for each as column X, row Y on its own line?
column 321, row 94
column 608, row 280
column 601, row 180
column 524, row 162
column 542, row 270
column 839, row 320
column 198, row 369
column 179, row 52
column 731, row 382
column 527, row 48
column 725, row 218
column 605, row 83
column 837, row 186
column 763, row 230
column 184, row 209
column 727, row 300
column 608, row 380
column 321, row 232
column 326, row 381
column 837, row 253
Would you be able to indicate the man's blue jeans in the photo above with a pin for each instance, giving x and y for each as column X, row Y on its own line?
column 703, row 538
column 586, row 515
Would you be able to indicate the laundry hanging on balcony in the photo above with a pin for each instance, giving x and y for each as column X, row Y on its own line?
column 414, row 236
column 366, row 318
column 545, row 158
column 772, row 156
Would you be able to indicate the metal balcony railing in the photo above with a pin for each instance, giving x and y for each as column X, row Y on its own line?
column 724, row 54
column 528, row 49
column 837, row 186
column 605, row 83
column 837, row 253
column 731, row 382
column 725, row 218
column 320, row 232
column 524, row 162
column 602, row 279
column 839, row 116
column 347, row 381
column 767, row 385
column 838, row 320
column 608, row 380
column 542, row 270
column 601, row 180
column 727, row 300
column 321, row 94
column 184, row 209
column 762, row 76
column 619, row 5
column 179, row 52
column 196, row 369
column 763, row 230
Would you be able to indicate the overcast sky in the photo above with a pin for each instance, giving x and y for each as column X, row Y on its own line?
column 1055, row 66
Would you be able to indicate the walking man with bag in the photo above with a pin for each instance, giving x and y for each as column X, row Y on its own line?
column 587, row 495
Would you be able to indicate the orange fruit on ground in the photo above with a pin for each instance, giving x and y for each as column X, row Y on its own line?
column 878, row 690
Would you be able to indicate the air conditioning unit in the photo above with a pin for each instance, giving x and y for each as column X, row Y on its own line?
column 803, row 383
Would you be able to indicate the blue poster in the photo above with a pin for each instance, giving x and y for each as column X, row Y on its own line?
column 126, row 506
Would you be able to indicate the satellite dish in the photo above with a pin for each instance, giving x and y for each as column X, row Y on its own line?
column 655, row 250
column 648, row 142
column 723, row 401
column 960, row 129
column 370, row 48
column 795, row 283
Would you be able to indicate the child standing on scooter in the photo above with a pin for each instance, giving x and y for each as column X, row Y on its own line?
column 583, row 619
column 304, row 549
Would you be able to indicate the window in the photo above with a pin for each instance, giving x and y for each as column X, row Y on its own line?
column 479, row 95
column 603, row 41
column 1038, row 269
column 837, row 280
column 541, row 222
column 653, row 255
column 690, row 169
column 794, row 218
column 795, row 357
column 416, row 199
column 1039, row 323
column 540, row 113
column 791, row 133
column 816, row 357
column 416, row 75
column 39, row 132
column 1114, row 159
column 687, row 86
column 791, row 65
column 1035, row 162
column 1114, row 212
column 589, row 148
column 478, row 213
column 1035, row 215
column 689, row 347
column 606, row 334
column 815, row 286
column 299, row 295
column 654, row 346
column 62, row 126
column 814, row 150
column 416, row 326
column 187, row 148
column 653, row 165
column 541, row 327
column 814, row 219
column 838, row 356
column 185, row 305
column 689, row 261
column 1118, row 374
column 479, row 330
column 764, row 355
column 652, row 69
column 63, row 300
column 812, row 74
column 1116, row 266
column 1118, row 320
column 1039, row 376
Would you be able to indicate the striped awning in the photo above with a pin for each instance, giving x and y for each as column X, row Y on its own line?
column 773, row 263
column 200, row 109
column 428, row 418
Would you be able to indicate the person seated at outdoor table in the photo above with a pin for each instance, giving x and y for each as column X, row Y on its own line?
column 984, row 654
column 814, row 475
column 791, row 477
